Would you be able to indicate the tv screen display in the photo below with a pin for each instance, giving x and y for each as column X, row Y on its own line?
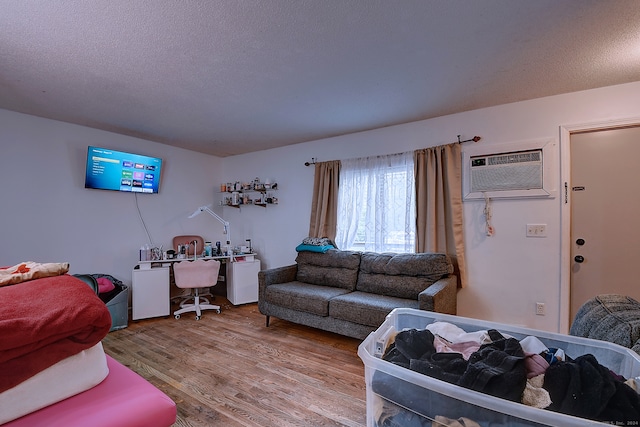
column 119, row 171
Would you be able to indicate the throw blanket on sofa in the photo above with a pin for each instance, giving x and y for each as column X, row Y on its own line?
column 31, row 270
column 44, row 321
column 316, row 244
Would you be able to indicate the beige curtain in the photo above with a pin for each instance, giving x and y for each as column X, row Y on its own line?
column 439, row 222
column 324, row 206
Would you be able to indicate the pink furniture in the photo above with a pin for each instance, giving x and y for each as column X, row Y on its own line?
column 196, row 275
column 123, row 399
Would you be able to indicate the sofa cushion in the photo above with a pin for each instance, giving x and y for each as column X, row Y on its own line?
column 365, row 308
column 401, row 275
column 334, row 268
column 609, row 317
column 300, row 296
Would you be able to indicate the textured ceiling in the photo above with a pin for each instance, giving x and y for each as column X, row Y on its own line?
column 228, row 77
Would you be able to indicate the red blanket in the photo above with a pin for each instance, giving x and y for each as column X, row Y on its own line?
column 43, row 321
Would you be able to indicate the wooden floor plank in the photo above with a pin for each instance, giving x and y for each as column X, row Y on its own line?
column 228, row 369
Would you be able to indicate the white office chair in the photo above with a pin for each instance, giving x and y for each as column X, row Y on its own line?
column 196, row 275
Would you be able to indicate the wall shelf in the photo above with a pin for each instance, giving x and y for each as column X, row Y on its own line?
column 255, row 193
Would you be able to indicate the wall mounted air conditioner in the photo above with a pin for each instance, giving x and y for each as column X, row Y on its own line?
column 523, row 171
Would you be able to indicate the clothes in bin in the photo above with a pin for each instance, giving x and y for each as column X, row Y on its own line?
column 417, row 377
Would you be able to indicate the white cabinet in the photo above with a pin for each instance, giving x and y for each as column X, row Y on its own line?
column 242, row 281
column 150, row 293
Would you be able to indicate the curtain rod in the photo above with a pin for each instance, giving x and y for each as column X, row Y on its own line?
column 474, row 139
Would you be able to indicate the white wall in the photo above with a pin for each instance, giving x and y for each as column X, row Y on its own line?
column 48, row 216
column 508, row 273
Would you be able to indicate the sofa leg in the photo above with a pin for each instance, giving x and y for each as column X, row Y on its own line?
column 267, row 318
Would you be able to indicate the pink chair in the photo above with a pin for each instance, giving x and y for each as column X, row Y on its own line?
column 196, row 275
column 194, row 244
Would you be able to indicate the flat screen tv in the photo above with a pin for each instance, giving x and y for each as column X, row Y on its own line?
column 120, row 171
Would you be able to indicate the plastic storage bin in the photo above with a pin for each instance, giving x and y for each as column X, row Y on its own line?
column 119, row 308
column 117, row 302
column 390, row 387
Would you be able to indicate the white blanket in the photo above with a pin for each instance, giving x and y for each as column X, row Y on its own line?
column 66, row 378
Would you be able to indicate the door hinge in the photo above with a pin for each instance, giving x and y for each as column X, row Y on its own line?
column 566, row 193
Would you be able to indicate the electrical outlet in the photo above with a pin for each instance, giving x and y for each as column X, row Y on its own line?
column 536, row 230
column 540, row 308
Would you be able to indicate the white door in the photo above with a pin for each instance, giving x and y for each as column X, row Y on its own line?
column 605, row 205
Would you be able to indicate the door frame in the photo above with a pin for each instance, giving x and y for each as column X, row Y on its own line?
column 565, row 207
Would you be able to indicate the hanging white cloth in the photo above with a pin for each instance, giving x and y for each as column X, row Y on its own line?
column 376, row 204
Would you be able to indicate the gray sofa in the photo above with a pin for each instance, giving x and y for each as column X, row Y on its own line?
column 351, row 293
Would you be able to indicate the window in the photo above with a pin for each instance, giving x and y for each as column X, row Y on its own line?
column 376, row 204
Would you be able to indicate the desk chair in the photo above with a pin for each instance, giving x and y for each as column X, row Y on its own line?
column 192, row 242
column 196, row 275
column 189, row 240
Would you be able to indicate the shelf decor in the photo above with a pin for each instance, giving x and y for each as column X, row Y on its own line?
column 255, row 193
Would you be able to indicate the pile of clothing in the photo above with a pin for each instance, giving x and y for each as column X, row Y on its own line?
column 524, row 371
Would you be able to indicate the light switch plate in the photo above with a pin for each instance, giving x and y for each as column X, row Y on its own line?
column 536, row 230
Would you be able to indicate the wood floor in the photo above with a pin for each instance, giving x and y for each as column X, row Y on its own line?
column 228, row 369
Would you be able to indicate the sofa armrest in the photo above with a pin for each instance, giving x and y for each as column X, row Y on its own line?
column 441, row 296
column 275, row 275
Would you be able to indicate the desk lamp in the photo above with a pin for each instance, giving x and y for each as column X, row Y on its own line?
column 208, row 210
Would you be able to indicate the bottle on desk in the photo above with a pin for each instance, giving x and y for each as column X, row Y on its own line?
column 145, row 253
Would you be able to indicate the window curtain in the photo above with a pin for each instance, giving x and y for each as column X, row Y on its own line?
column 324, row 206
column 376, row 204
column 439, row 220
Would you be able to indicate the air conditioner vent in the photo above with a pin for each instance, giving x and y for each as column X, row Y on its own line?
column 530, row 156
column 519, row 169
column 507, row 171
